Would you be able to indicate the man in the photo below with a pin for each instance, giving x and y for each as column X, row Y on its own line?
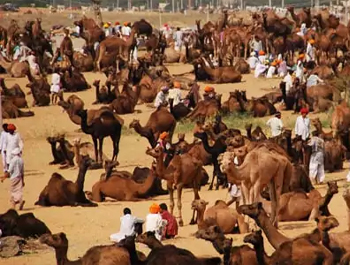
column 12, row 141
column 171, row 228
column 313, row 80
column 16, row 175
column 126, row 31
column 117, row 28
column 23, row 52
column 302, row 125
column 256, row 44
column 178, row 36
column 209, row 93
column 2, row 146
column 299, row 72
column 310, row 51
column 161, row 97
column 288, row 80
column 316, row 167
column 252, row 60
column 275, row 124
column 127, row 226
column 175, row 93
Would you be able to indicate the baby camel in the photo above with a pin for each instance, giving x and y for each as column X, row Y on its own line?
column 219, row 214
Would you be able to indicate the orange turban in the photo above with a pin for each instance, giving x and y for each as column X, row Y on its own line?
column 261, row 52
column 116, row 23
column 125, row 23
column 274, row 63
column 177, row 84
column 154, row 208
column 301, row 56
column 312, row 41
column 163, row 135
column 208, row 89
column 11, row 127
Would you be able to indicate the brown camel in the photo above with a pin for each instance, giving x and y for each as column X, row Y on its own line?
column 260, row 167
column 341, row 117
column 15, row 69
column 150, row 85
column 125, row 102
column 98, row 255
column 66, row 47
column 83, row 61
column 219, row 214
column 40, row 89
column 173, row 254
column 238, row 255
column 14, row 94
column 84, row 149
column 11, row 111
column 121, row 188
column 182, row 170
column 73, row 80
column 206, row 108
column 159, row 121
column 62, row 192
column 105, row 124
column 304, row 16
column 72, row 106
column 242, row 66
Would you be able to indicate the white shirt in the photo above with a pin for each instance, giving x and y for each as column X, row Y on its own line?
column 55, row 83
column 16, row 167
column 252, row 61
column 262, row 58
column 313, row 80
column 12, row 141
column 154, row 222
column 126, row 31
column 127, row 227
column 160, row 99
column 175, row 94
column 289, row 82
column 3, row 140
column 299, row 73
column 77, row 29
column 302, row 127
column 271, row 71
column 310, row 54
column 275, row 125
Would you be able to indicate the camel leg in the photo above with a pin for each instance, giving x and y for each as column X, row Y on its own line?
column 179, row 204
column 171, row 198
column 196, row 197
column 100, row 147
column 95, row 147
column 115, row 147
column 212, row 181
column 273, row 198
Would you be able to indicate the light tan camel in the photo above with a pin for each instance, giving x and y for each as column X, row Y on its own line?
column 219, row 214
column 261, row 167
column 182, row 170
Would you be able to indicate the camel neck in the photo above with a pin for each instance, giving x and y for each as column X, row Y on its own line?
column 146, row 132
column 200, row 219
column 84, row 126
column 260, row 253
column 155, row 244
column 81, row 176
column 275, row 238
column 160, row 169
column 76, row 149
column 61, row 257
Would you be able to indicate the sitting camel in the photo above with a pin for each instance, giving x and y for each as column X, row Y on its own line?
column 182, row 170
column 262, row 166
column 221, row 215
column 40, row 89
column 62, row 192
column 98, row 255
column 14, row 94
column 10, row 111
column 15, row 68
column 159, row 121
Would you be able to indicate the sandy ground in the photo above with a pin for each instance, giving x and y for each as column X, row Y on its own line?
column 87, row 227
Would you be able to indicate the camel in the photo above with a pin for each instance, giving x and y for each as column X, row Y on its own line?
column 232, row 104
column 242, row 66
column 25, row 225
column 221, row 75
column 73, row 80
column 72, row 106
column 83, row 61
column 143, row 27
column 334, row 151
column 63, row 153
column 150, row 85
column 182, row 170
column 173, row 254
column 62, row 192
column 98, row 255
column 159, row 121
column 15, row 94
column 172, row 55
column 106, row 124
column 15, row 69
column 243, row 254
column 66, row 47
column 219, row 214
column 121, row 188
column 341, row 117
column 259, row 163
column 206, row 108
column 304, row 16
column 125, row 102
column 10, row 111
column 40, row 89
column 104, row 94
column 84, row 149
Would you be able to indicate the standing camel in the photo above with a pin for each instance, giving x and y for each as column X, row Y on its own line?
column 100, row 127
column 181, row 171
column 261, row 167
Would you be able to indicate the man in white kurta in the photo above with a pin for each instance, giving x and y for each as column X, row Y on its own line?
column 175, row 93
column 302, row 125
column 316, row 167
column 161, row 97
column 13, row 141
column 275, row 124
column 155, row 223
column 289, row 81
column 2, row 146
column 127, row 226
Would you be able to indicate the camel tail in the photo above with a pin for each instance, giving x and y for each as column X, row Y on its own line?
column 287, row 177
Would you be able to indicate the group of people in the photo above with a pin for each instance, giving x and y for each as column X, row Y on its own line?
column 159, row 221
column 123, row 31
column 11, row 147
column 302, row 131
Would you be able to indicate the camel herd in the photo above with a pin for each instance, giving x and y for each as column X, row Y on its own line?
column 272, row 172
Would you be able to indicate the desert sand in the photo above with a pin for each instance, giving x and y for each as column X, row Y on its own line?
column 87, row 227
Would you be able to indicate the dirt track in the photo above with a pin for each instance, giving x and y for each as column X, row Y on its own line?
column 86, row 227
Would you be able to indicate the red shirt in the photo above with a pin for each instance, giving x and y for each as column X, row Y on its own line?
column 171, row 227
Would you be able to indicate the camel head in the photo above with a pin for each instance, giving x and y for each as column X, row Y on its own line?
column 346, row 197
column 252, row 210
column 96, row 83
column 128, row 243
column 65, row 105
column 255, row 238
column 146, row 238
column 134, row 123
column 225, row 160
column 155, row 152
column 210, row 234
column 290, row 9
column 86, row 161
column 199, row 205
column 326, row 223
column 332, row 187
column 56, row 240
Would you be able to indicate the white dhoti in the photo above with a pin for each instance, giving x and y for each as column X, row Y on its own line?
column 16, row 189
column 55, row 88
column 259, row 69
column 316, row 167
column 4, row 164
